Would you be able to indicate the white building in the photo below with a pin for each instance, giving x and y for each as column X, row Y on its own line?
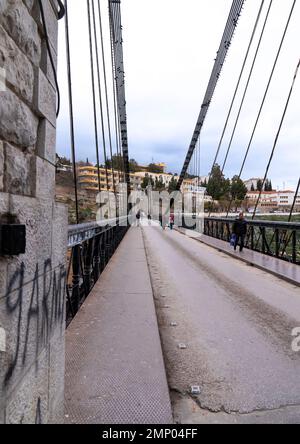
column 281, row 200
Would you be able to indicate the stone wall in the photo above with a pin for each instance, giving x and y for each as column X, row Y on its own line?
column 32, row 286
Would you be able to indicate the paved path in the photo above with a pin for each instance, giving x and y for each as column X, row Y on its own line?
column 114, row 365
column 237, row 323
column 285, row 270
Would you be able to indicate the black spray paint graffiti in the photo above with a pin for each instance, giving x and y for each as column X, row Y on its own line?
column 46, row 309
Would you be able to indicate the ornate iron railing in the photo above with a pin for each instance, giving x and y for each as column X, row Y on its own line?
column 90, row 247
column 277, row 239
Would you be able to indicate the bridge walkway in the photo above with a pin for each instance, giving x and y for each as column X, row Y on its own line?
column 115, row 371
column 278, row 267
column 236, row 322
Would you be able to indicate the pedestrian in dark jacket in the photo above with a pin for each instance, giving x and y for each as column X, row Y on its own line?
column 240, row 231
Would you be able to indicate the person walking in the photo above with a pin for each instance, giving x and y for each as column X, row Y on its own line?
column 172, row 221
column 240, row 231
column 138, row 218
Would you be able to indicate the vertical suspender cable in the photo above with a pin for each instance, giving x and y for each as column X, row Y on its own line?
column 106, row 96
column 238, row 82
column 247, row 85
column 71, row 113
column 93, row 92
column 265, row 94
column 295, row 201
column 276, row 138
column 100, row 95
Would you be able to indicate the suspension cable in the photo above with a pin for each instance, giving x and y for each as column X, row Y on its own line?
column 238, row 83
column 265, row 96
column 276, row 138
column 247, row 85
column 100, row 95
column 71, row 113
column 61, row 14
column 106, row 95
column 94, row 94
column 295, row 201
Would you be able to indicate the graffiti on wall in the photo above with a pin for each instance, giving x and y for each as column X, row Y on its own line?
column 39, row 315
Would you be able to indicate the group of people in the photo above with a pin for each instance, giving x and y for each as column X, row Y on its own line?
column 239, row 230
column 171, row 224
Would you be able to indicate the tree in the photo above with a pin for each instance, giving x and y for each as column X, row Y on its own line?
column 159, row 185
column 268, row 185
column 218, row 187
column 173, row 185
column 152, row 168
column 252, row 188
column 133, row 166
column 238, row 189
column 259, row 185
column 147, row 181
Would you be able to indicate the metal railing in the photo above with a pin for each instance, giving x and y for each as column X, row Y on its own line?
column 276, row 239
column 90, row 247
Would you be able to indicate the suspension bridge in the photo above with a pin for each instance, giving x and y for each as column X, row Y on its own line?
column 124, row 320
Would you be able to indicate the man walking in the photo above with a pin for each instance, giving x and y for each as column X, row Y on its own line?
column 240, row 231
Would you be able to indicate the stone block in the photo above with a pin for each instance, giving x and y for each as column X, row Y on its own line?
column 22, row 28
column 45, row 179
column 46, row 65
column 19, row 175
column 37, row 216
column 30, row 315
column 19, row 70
column 2, row 80
column 28, row 403
column 59, row 234
column 46, row 143
column 45, row 97
column 18, row 124
column 57, row 377
column 1, row 165
column 29, row 4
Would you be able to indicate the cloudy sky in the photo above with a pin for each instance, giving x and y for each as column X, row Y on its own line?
column 169, row 51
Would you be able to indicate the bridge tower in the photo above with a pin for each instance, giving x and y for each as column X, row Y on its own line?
column 33, row 227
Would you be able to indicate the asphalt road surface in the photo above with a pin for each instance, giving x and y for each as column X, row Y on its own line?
column 236, row 322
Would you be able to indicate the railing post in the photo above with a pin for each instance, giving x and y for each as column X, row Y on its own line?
column 263, row 232
column 76, row 278
column 97, row 258
column 277, row 242
column 88, row 265
column 294, row 246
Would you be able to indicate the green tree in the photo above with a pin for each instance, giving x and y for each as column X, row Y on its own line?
column 238, row 189
column 259, row 185
column 133, row 166
column 147, row 181
column 218, row 187
column 159, row 185
column 173, row 185
column 252, row 188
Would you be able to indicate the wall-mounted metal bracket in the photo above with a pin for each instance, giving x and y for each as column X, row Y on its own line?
column 12, row 239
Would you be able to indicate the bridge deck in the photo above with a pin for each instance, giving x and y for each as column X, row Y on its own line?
column 284, row 270
column 114, row 365
column 236, row 322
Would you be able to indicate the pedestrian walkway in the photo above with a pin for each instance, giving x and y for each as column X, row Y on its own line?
column 280, row 268
column 115, row 371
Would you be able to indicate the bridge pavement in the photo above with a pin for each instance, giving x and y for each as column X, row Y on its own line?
column 115, row 372
column 236, row 322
